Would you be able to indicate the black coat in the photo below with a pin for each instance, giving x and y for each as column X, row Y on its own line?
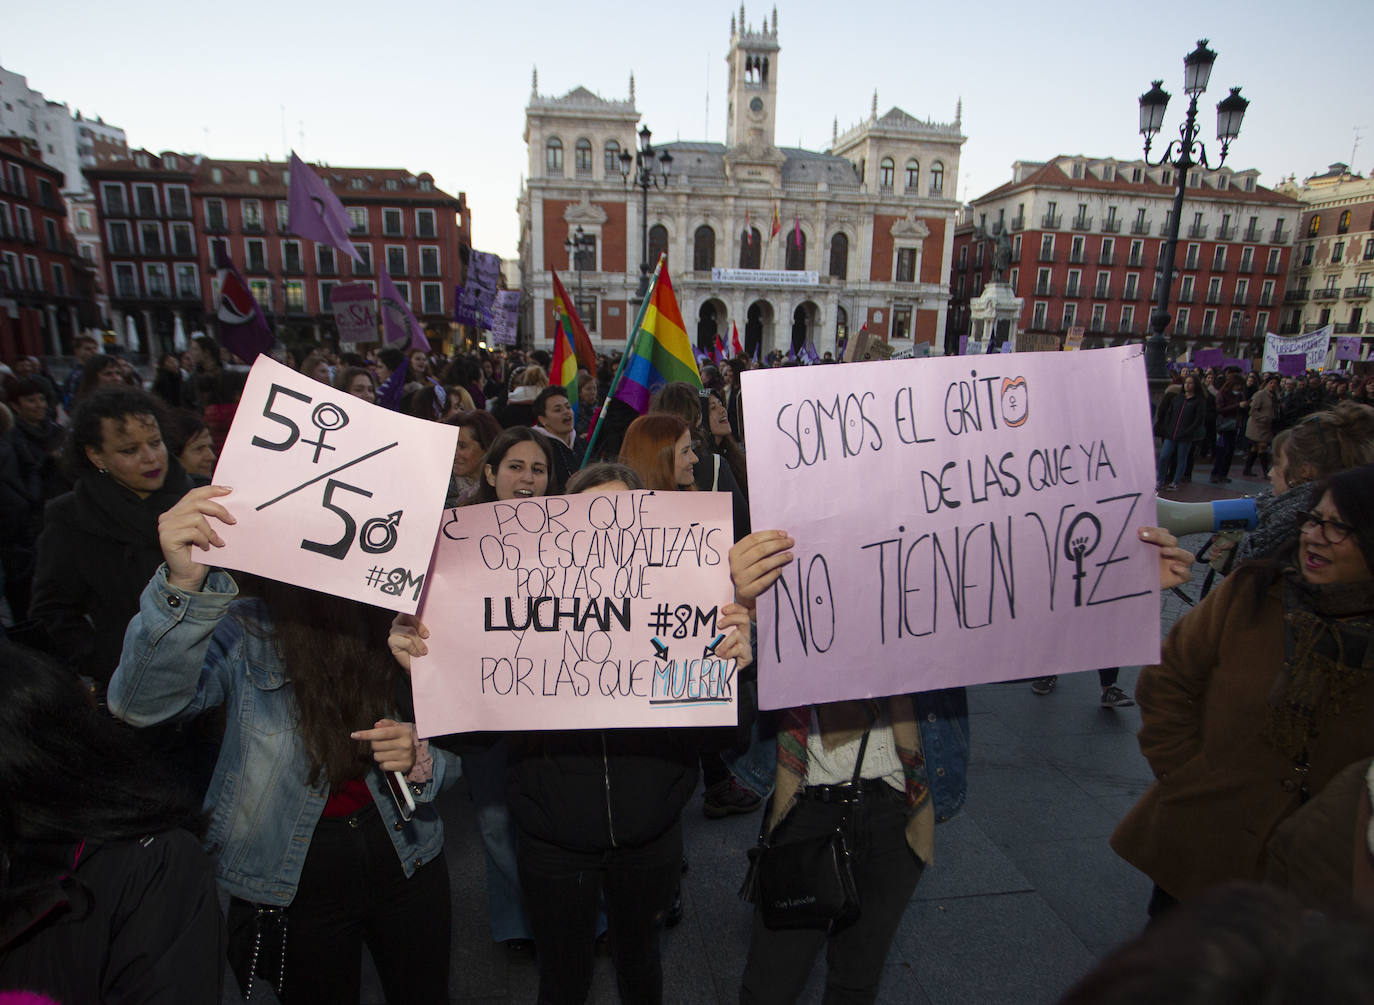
column 595, row 789
column 98, row 549
column 137, row 920
column 1181, row 418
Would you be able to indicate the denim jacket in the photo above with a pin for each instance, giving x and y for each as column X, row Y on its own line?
column 184, row 653
column 943, row 720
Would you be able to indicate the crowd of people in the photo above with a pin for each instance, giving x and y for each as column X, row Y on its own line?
column 202, row 729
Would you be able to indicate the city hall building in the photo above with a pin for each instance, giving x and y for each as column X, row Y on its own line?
column 865, row 229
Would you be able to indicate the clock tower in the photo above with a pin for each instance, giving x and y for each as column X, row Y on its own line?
column 753, row 87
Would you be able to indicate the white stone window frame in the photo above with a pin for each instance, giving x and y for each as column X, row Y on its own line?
column 161, row 249
column 400, row 221
column 427, row 212
column 592, row 219
column 908, row 233
column 431, row 286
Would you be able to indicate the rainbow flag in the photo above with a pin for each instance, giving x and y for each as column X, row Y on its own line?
column 661, row 351
column 566, row 311
column 563, row 371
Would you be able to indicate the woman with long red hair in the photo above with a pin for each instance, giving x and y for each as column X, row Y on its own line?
column 658, row 447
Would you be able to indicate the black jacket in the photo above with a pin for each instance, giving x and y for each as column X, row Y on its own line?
column 1182, row 418
column 136, row 920
column 98, row 549
column 594, row 789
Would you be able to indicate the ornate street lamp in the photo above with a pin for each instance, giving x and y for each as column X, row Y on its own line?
column 1182, row 155
column 639, row 171
column 576, row 246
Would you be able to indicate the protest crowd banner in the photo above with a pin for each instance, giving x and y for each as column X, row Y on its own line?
column 957, row 521
column 1313, row 346
column 331, row 493
column 355, row 314
column 578, row 612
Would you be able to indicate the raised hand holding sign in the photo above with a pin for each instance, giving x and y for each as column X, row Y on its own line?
column 332, row 493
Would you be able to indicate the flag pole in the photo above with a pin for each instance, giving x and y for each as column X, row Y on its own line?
column 624, row 360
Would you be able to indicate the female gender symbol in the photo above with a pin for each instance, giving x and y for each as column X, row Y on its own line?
column 327, row 417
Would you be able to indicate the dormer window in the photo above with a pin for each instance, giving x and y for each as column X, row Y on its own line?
column 1078, row 169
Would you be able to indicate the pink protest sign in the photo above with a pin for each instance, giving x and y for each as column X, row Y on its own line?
column 957, row 521
column 355, row 313
column 578, row 612
column 330, row 492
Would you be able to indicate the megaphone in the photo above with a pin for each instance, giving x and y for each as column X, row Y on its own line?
column 1180, row 518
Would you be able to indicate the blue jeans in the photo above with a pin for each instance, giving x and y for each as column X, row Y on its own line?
column 486, row 774
column 1180, row 449
column 757, row 767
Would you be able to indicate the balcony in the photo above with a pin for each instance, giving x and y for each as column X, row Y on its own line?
column 1018, row 222
column 1190, row 263
column 1135, row 261
column 1140, row 228
column 1213, row 299
column 1288, row 328
column 1295, row 297
column 1252, row 234
column 1280, row 236
column 1125, row 327
column 1052, row 221
column 294, row 269
column 1074, row 291
column 358, row 231
column 426, row 232
column 120, row 248
column 125, row 290
column 252, row 227
column 188, row 291
column 258, row 266
column 1076, row 256
column 1186, row 296
column 1208, row 330
column 1358, row 292
column 1265, row 300
column 179, row 212
column 326, row 269
column 1326, row 293
column 1226, row 233
column 1272, row 269
column 1369, row 327
column 1102, row 293
column 1082, row 223
column 1047, row 255
column 1097, row 326
column 1044, row 290
column 1348, row 328
column 216, row 227
column 1246, row 266
column 1198, row 231
column 1133, row 293
column 1106, row 258
column 147, row 211
column 183, row 249
column 1110, row 226
column 1164, row 228
column 1239, row 299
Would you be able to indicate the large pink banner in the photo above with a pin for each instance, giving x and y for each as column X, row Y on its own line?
column 957, row 521
column 578, row 612
column 330, row 492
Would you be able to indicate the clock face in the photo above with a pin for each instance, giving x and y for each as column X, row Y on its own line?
column 756, row 105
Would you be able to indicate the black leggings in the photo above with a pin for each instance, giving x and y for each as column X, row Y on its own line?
column 353, row 890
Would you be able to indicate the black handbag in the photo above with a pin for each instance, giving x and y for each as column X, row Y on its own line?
column 807, row 883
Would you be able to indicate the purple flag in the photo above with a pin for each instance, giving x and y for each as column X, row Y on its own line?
column 473, row 301
column 242, row 328
column 389, row 394
column 315, row 212
column 399, row 327
column 1207, row 357
column 810, row 352
column 1293, row 364
column 1348, row 347
column 963, row 345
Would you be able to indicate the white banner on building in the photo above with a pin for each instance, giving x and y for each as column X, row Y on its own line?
column 1314, row 345
column 766, row 277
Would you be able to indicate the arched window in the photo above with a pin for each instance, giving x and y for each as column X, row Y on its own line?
column 750, row 248
column 913, row 175
column 885, row 170
column 796, row 250
column 704, row 249
column 553, row 155
column 1343, row 223
column 1314, row 225
column 612, row 158
column 582, row 156
column 839, row 256
column 658, row 243
column 937, row 178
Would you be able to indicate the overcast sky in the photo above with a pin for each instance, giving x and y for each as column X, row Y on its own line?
column 442, row 86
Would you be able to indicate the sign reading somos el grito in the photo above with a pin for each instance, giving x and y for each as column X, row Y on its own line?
column 331, row 493
column 957, row 521
column 578, row 612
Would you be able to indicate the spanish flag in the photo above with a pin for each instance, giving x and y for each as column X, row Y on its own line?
column 661, row 353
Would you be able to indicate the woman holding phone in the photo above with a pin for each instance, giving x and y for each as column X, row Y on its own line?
column 316, row 854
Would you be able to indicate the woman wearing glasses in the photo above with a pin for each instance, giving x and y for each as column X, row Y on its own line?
column 1263, row 694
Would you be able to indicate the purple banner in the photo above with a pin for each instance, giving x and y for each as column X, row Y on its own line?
column 1207, row 357
column 963, row 345
column 473, row 301
column 1293, row 364
column 505, row 314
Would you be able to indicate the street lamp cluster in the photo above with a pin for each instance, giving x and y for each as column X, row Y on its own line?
column 578, row 247
column 639, row 171
column 1182, row 154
